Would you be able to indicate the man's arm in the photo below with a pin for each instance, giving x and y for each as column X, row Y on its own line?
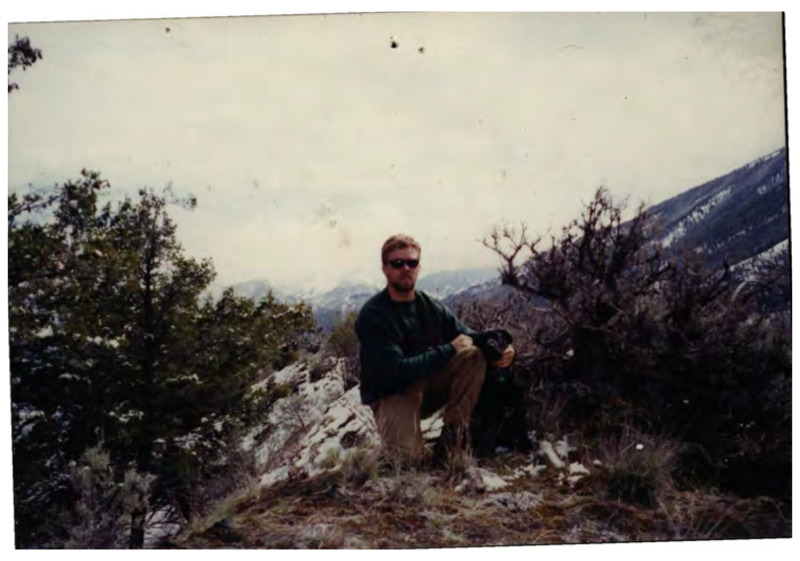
column 383, row 356
column 454, row 325
column 458, row 326
column 461, row 327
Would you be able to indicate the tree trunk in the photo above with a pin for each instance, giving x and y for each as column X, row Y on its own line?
column 136, row 538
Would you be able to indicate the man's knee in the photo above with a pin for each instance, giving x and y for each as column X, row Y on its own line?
column 468, row 366
column 470, row 357
column 474, row 353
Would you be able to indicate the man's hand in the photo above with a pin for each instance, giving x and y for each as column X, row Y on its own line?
column 507, row 358
column 462, row 342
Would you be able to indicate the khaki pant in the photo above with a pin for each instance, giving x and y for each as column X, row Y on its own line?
column 456, row 388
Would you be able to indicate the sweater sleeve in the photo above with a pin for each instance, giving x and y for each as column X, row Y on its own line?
column 463, row 328
column 455, row 325
column 383, row 356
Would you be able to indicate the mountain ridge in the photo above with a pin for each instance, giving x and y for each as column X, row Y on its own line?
column 731, row 219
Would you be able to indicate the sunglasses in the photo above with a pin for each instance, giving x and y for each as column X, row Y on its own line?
column 398, row 263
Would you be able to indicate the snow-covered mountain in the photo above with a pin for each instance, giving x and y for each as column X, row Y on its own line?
column 734, row 218
column 344, row 297
column 740, row 218
column 332, row 305
column 349, row 295
column 731, row 218
column 448, row 283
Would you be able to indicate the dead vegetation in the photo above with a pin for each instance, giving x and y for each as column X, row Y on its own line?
column 673, row 387
column 365, row 505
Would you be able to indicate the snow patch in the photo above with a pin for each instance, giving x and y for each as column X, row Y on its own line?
column 749, row 267
column 674, row 235
column 563, row 448
column 530, row 470
column 697, row 215
column 432, row 426
column 491, row 480
column 46, row 331
column 161, row 524
column 558, row 457
column 546, row 449
column 480, row 480
column 518, row 502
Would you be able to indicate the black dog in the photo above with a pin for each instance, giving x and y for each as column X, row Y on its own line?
column 498, row 420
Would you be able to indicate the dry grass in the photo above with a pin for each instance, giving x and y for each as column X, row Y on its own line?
column 637, row 467
column 366, row 504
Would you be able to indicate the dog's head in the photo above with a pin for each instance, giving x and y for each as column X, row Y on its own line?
column 493, row 343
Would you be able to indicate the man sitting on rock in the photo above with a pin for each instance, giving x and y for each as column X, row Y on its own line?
column 416, row 357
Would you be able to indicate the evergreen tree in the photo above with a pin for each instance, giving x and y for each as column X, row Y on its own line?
column 21, row 54
column 343, row 344
column 113, row 344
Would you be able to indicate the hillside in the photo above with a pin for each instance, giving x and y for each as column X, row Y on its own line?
column 332, row 305
column 733, row 218
column 741, row 219
column 321, row 487
column 318, row 482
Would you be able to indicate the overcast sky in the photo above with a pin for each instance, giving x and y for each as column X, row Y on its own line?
column 309, row 139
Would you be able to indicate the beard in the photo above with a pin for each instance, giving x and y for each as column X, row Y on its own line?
column 404, row 285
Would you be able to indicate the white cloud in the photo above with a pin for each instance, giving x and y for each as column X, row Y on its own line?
column 284, row 126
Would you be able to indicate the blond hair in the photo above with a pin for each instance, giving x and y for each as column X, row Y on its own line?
column 398, row 241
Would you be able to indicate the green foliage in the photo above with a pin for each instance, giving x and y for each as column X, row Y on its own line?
column 331, row 459
column 628, row 334
column 359, row 466
column 111, row 342
column 343, row 341
column 104, row 501
column 21, row 54
column 343, row 344
column 101, row 501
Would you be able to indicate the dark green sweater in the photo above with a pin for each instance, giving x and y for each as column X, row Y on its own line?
column 402, row 342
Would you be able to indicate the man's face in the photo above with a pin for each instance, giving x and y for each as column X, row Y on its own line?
column 399, row 274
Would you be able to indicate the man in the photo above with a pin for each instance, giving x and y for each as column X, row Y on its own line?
column 417, row 357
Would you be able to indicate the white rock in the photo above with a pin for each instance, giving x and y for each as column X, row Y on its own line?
column 309, row 426
column 563, row 448
column 491, row 480
column 576, row 468
column 546, row 449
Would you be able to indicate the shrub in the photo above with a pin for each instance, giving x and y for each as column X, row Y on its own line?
column 343, row 344
column 104, row 500
column 331, row 459
column 629, row 334
column 359, row 465
column 636, row 467
column 320, row 368
column 708, row 515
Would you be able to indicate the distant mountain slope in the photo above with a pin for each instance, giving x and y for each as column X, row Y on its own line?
column 447, row 283
column 739, row 218
column 734, row 217
column 332, row 305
